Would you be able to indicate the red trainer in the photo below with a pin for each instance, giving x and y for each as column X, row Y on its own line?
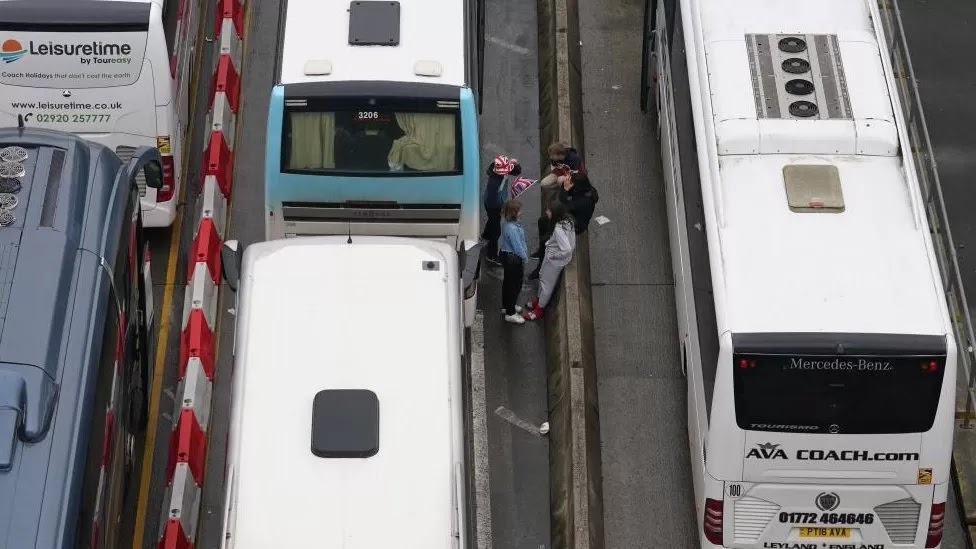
column 534, row 313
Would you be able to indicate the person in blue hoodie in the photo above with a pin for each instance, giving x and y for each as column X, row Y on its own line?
column 500, row 173
column 514, row 254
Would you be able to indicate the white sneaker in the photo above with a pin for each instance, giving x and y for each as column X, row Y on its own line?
column 515, row 319
column 518, row 309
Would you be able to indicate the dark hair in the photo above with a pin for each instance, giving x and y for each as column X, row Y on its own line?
column 511, row 210
column 516, row 170
column 559, row 212
column 581, row 181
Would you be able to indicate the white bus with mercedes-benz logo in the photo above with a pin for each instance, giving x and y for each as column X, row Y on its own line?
column 814, row 330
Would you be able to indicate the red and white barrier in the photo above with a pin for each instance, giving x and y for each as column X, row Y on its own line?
column 188, row 441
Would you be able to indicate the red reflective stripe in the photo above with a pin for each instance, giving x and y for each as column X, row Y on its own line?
column 187, row 444
column 107, row 438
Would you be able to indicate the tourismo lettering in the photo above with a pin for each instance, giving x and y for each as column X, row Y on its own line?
column 854, row 455
column 93, row 48
column 860, row 365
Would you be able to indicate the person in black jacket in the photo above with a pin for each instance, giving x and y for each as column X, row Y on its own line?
column 580, row 198
column 497, row 190
column 563, row 160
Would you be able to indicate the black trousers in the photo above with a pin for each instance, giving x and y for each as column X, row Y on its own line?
column 511, row 281
column 545, row 226
column 493, row 230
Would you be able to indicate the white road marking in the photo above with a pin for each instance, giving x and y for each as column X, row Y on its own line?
column 510, row 417
column 508, row 45
column 479, row 415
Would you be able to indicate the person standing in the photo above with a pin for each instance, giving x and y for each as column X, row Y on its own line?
column 514, row 253
column 580, row 198
column 563, row 160
column 500, row 171
column 558, row 252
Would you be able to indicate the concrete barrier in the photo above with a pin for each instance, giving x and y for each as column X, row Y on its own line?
column 188, row 441
column 576, row 493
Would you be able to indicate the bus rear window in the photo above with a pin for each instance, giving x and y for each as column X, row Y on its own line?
column 831, row 394
column 371, row 142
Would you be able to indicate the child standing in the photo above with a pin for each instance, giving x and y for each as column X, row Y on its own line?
column 558, row 251
column 513, row 255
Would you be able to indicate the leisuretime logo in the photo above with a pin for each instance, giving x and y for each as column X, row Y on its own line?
column 11, row 50
column 88, row 53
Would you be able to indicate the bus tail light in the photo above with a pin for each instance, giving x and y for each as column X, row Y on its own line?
column 165, row 193
column 936, row 525
column 713, row 521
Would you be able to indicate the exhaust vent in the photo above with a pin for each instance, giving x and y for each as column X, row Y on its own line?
column 792, row 44
column 7, row 201
column 900, row 519
column 795, row 65
column 11, row 170
column 798, row 77
column 13, row 154
column 804, row 109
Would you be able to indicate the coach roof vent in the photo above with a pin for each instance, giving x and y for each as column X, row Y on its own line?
column 798, row 77
column 374, row 23
column 345, row 423
column 813, row 188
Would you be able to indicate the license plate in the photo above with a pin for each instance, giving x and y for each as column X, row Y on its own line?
column 809, row 532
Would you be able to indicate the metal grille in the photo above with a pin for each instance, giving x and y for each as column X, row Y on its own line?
column 900, row 519
column 125, row 154
column 798, row 77
column 751, row 517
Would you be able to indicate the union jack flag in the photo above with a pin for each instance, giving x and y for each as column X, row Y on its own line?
column 520, row 185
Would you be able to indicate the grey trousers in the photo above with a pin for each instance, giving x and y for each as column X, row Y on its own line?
column 548, row 278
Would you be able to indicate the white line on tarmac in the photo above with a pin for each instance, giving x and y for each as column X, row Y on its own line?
column 510, row 417
column 508, row 45
column 479, row 413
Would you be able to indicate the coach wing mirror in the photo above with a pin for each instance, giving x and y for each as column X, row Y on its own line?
column 469, row 259
column 153, row 173
column 230, row 263
column 148, row 160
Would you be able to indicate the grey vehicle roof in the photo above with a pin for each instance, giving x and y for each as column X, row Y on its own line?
column 74, row 15
column 53, row 298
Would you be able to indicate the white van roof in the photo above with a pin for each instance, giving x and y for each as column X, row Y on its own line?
column 429, row 31
column 318, row 314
